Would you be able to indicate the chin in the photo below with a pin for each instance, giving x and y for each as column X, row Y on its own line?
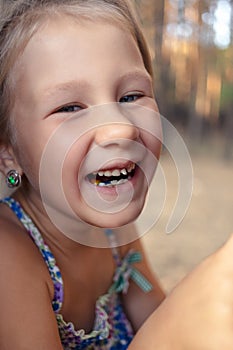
column 115, row 220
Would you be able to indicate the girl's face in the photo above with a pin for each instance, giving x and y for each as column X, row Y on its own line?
column 84, row 105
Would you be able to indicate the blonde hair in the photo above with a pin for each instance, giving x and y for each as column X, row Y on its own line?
column 20, row 19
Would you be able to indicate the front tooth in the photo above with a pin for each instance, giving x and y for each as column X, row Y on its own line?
column 101, row 173
column 107, row 173
column 124, row 171
column 116, row 172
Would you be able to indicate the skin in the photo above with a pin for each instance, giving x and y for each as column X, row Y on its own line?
column 90, row 76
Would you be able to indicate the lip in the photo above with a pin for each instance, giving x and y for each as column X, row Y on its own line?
column 116, row 165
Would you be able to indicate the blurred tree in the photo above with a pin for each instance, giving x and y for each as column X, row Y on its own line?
column 191, row 43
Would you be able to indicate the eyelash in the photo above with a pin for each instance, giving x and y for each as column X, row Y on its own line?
column 133, row 97
column 67, row 108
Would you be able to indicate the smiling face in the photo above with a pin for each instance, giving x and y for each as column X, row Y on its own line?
column 84, row 101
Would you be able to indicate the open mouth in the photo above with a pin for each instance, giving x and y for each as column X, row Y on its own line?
column 112, row 177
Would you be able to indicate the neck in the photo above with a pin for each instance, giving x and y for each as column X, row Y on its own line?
column 66, row 232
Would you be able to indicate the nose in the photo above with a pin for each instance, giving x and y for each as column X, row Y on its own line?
column 119, row 130
column 116, row 133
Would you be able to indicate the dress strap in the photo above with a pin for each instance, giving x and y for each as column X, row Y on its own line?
column 113, row 245
column 44, row 249
column 125, row 269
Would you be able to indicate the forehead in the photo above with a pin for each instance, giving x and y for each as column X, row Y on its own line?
column 63, row 42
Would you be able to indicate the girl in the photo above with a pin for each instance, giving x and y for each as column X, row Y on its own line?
column 58, row 60
column 75, row 86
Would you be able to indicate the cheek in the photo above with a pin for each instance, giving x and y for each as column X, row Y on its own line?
column 29, row 146
column 71, row 164
column 152, row 143
column 148, row 121
column 29, row 161
column 157, row 146
column 154, row 138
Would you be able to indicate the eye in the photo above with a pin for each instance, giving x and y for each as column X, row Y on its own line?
column 69, row 109
column 130, row 98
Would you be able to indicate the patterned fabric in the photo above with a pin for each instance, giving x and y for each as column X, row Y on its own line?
column 112, row 330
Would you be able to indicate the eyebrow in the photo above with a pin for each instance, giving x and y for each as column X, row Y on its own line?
column 84, row 85
column 136, row 75
column 67, row 86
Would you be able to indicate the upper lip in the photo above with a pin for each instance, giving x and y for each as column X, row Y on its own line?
column 112, row 159
column 116, row 165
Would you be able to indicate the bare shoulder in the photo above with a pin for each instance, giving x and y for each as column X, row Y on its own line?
column 137, row 245
column 17, row 250
column 135, row 242
column 139, row 304
column 25, row 290
column 20, row 259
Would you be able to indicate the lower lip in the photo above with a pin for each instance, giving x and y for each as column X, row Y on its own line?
column 114, row 190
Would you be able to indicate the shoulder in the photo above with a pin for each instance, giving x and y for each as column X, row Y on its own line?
column 19, row 256
column 27, row 320
column 142, row 264
column 139, row 304
column 132, row 241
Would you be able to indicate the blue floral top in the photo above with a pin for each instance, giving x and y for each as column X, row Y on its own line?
column 112, row 329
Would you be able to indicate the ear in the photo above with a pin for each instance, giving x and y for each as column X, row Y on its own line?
column 8, row 160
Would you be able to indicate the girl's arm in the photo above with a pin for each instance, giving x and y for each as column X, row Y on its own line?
column 27, row 320
column 198, row 314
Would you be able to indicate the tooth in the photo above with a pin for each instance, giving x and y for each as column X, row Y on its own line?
column 121, row 181
column 100, row 173
column 101, row 184
column 114, row 182
column 107, row 173
column 124, row 171
column 116, row 172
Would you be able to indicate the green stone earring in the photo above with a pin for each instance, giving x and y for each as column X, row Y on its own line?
column 13, row 179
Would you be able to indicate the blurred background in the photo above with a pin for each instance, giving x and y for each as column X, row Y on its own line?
column 191, row 42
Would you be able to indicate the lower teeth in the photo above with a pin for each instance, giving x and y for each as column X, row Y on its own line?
column 112, row 183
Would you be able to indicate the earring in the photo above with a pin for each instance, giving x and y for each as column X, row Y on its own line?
column 13, row 179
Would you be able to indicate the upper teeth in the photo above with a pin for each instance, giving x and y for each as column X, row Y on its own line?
column 117, row 172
